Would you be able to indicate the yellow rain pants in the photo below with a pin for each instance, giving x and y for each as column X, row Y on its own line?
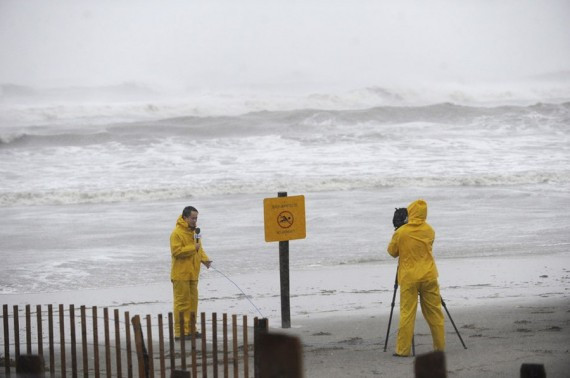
column 185, row 300
column 430, row 301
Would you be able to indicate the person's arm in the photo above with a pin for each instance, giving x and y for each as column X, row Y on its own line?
column 179, row 250
column 204, row 257
column 393, row 249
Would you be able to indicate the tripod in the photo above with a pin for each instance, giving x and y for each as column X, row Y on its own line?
column 392, row 311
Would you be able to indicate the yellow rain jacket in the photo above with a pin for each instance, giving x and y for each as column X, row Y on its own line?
column 417, row 275
column 185, row 258
column 413, row 243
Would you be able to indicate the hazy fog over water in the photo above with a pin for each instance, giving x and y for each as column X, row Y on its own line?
column 285, row 44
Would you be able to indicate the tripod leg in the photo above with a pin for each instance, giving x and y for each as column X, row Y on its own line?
column 391, row 311
column 452, row 322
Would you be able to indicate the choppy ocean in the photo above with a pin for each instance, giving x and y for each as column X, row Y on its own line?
column 91, row 190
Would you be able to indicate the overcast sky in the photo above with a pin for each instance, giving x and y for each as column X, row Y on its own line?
column 217, row 43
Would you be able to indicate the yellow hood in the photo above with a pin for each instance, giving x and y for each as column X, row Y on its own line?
column 417, row 212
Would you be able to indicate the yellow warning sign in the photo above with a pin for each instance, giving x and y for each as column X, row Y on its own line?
column 284, row 218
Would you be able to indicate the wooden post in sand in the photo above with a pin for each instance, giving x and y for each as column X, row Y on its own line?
column 284, row 276
column 533, row 371
column 279, row 356
column 260, row 326
column 430, row 365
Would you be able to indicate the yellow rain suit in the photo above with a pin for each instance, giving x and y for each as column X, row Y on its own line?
column 184, row 274
column 417, row 274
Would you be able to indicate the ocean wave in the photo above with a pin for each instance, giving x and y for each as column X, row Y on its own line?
column 24, row 106
column 289, row 122
column 299, row 185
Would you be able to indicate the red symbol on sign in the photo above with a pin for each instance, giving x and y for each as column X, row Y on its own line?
column 285, row 219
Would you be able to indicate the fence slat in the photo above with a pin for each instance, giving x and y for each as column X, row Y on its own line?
column 182, row 341
column 95, row 343
column 16, row 314
column 84, row 351
column 245, row 350
column 6, row 338
column 225, row 330
column 51, row 342
column 28, row 331
column 73, row 340
column 129, row 347
column 235, row 346
column 161, row 347
column 62, row 340
column 118, row 344
column 107, row 342
column 40, row 332
column 204, row 348
column 193, row 343
column 150, row 346
column 215, row 343
column 171, row 342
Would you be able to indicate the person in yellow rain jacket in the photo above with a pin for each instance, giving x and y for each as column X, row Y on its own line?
column 417, row 275
column 187, row 255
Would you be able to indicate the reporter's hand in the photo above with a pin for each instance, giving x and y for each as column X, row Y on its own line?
column 207, row 263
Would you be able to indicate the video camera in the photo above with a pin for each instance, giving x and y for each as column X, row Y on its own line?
column 400, row 217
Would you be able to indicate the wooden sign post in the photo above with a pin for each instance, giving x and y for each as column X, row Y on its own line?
column 284, row 220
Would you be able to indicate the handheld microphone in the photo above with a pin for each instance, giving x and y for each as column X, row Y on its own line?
column 197, row 235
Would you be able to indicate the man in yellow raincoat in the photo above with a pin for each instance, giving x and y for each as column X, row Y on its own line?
column 417, row 275
column 187, row 255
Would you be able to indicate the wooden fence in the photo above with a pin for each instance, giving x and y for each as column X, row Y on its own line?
column 126, row 347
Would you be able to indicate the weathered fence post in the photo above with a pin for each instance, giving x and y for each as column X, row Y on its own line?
column 142, row 356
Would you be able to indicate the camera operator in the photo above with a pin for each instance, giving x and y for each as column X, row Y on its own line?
column 417, row 274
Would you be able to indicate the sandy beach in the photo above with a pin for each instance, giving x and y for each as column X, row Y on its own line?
column 506, row 316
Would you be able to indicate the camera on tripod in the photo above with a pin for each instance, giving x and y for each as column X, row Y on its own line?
column 400, row 217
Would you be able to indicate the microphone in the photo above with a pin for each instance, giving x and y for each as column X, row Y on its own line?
column 197, row 235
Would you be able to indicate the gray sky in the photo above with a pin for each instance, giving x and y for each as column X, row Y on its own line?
column 226, row 43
